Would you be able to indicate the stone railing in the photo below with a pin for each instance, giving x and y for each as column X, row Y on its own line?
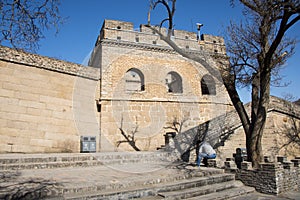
column 283, row 106
column 34, row 60
column 270, row 177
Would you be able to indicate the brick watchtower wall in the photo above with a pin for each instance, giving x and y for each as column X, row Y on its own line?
column 146, row 86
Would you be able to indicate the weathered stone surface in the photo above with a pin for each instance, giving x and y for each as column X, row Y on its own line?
column 38, row 97
column 270, row 178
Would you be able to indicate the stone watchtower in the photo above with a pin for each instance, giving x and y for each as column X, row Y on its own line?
column 147, row 89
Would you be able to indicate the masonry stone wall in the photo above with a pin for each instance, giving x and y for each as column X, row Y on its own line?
column 282, row 120
column 46, row 104
column 271, row 177
column 154, row 109
column 226, row 133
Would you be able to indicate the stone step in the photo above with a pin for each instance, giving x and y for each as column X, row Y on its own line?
column 226, row 194
column 196, row 182
column 150, row 198
column 172, row 175
column 31, row 158
column 186, row 193
column 39, row 158
column 150, row 188
column 229, row 193
column 42, row 161
column 49, row 165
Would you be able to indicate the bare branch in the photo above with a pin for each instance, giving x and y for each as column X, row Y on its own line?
column 129, row 138
column 23, row 22
column 176, row 124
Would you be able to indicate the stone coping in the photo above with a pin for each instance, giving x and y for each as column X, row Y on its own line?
column 43, row 62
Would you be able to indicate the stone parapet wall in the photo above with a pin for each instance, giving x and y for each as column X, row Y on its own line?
column 124, row 32
column 285, row 107
column 34, row 60
column 270, row 178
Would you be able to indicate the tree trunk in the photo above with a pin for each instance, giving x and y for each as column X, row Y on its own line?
column 253, row 128
column 229, row 83
column 258, row 123
column 256, row 155
column 254, row 110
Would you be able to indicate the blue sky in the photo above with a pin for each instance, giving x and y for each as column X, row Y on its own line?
column 77, row 36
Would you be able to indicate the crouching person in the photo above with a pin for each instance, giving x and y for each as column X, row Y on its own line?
column 206, row 152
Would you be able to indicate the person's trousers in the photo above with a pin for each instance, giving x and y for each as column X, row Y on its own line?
column 206, row 156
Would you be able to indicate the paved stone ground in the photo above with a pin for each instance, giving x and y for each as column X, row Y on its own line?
column 126, row 174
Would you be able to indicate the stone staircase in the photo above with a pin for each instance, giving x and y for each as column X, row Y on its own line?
column 216, row 186
column 116, row 175
column 62, row 160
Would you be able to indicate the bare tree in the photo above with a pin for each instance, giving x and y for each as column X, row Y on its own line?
column 23, row 22
column 290, row 131
column 176, row 124
column 129, row 138
column 13, row 186
column 258, row 49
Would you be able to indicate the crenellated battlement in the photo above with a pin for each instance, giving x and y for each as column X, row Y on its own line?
column 119, row 31
column 274, row 177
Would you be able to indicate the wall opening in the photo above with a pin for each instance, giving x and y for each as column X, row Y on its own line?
column 134, row 80
column 208, row 86
column 174, row 82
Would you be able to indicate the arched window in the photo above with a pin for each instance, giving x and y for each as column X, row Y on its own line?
column 208, row 85
column 134, row 80
column 174, row 82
